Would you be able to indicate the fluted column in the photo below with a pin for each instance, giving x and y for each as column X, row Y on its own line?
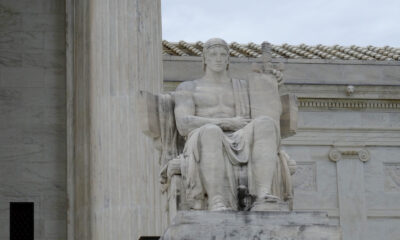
column 113, row 170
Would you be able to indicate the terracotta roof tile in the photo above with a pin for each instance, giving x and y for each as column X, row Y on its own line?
column 302, row 51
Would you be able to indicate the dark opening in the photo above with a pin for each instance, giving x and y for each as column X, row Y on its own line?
column 149, row 238
column 21, row 221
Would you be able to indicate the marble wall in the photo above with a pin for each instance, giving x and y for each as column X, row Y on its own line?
column 347, row 146
column 32, row 113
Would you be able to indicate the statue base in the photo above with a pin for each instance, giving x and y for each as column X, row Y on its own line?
column 274, row 225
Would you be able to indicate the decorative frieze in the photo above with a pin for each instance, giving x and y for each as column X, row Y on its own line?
column 353, row 104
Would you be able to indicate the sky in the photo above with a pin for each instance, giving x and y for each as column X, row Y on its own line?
column 351, row 22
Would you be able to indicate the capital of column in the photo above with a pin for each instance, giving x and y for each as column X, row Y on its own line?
column 336, row 154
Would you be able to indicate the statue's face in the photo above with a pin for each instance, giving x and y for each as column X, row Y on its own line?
column 216, row 59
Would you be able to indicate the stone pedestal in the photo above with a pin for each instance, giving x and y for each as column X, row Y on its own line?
column 251, row 225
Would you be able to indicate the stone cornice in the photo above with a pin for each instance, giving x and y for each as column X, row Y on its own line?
column 297, row 61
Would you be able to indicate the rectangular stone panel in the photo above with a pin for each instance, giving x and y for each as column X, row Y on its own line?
column 386, row 228
column 305, row 177
column 381, row 181
column 319, row 191
column 391, row 172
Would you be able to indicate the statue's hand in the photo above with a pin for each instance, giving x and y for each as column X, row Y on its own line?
column 233, row 124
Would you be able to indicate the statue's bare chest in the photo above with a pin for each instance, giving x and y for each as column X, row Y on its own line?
column 214, row 100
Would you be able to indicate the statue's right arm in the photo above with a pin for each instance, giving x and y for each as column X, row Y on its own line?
column 186, row 121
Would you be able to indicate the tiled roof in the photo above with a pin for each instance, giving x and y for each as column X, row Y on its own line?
column 302, row 51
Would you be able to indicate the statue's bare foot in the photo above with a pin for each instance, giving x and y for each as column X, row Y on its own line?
column 268, row 198
column 220, row 208
column 269, row 202
column 218, row 204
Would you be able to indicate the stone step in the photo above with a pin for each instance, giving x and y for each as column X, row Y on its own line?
column 270, row 225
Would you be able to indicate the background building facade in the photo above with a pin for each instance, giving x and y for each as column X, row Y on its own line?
column 347, row 146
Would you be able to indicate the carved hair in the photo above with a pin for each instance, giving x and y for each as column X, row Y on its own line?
column 214, row 42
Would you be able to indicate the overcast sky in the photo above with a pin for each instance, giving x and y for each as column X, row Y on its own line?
column 358, row 22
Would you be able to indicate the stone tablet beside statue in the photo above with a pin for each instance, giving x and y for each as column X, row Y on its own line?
column 220, row 137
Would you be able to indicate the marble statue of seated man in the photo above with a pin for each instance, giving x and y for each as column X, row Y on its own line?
column 226, row 147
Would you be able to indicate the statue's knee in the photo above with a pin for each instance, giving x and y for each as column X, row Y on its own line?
column 211, row 131
column 211, row 147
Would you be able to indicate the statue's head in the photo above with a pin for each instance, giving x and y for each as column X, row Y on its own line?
column 216, row 54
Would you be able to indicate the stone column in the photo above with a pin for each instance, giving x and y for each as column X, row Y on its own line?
column 113, row 170
column 351, row 190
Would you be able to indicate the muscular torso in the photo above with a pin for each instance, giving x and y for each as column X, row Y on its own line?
column 213, row 100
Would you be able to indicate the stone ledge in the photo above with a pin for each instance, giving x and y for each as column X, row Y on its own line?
column 284, row 60
column 251, row 225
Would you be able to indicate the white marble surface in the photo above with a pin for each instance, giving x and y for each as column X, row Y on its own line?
column 199, row 225
column 32, row 113
column 115, row 169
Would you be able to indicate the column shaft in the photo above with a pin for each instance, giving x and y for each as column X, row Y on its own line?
column 117, row 52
